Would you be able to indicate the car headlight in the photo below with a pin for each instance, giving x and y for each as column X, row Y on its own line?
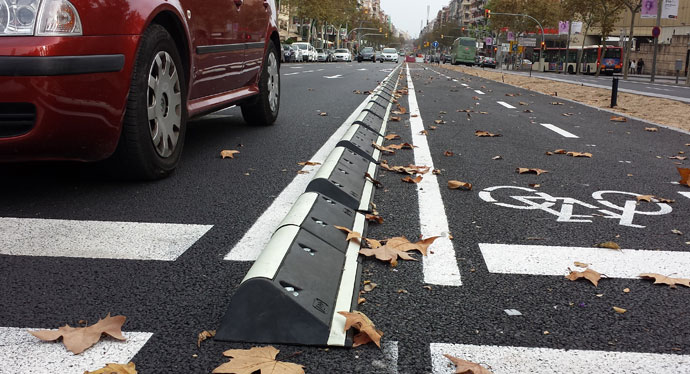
column 39, row 17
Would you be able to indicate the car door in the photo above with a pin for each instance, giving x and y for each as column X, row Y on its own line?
column 219, row 49
column 255, row 17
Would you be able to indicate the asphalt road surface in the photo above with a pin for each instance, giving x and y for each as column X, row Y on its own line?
column 78, row 245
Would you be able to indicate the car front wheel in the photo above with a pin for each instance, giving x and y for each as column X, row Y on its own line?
column 154, row 125
column 262, row 110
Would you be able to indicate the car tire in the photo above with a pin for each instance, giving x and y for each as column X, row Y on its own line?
column 154, row 124
column 262, row 110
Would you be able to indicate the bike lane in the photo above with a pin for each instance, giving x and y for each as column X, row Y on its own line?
column 516, row 235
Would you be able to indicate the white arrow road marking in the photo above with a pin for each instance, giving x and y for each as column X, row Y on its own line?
column 255, row 239
column 22, row 353
column 553, row 260
column 333, row 77
column 506, row 104
column 511, row 360
column 479, row 92
column 441, row 266
column 97, row 239
column 560, row 131
column 361, row 69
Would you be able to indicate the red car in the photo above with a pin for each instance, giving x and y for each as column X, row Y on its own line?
column 89, row 80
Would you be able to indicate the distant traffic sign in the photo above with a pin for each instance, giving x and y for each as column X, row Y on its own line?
column 435, row 44
column 656, row 31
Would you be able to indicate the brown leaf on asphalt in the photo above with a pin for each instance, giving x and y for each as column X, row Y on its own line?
column 475, row 98
column 580, row 154
column 412, row 180
column 454, row 185
column 651, row 129
column 684, row 176
column 510, row 95
column 619, row 310
column 129, row 368
column 549, row 153
column 557, row 103
column 524, row 103
column 581, row 265
column 323, row 114
column 647, row 198
column 682, row 158
column 392, row 136
column 308, row 163
column 372, row 180
column 436, row 172
column 465, row 111
column 528, row 111
column 534, row 185
column 439, row 122
column 357, row 92
column 256, row 359
column 433, row 127
column 588, row 274
column 374, row 218
column 402, row 146
column 485, row 134
column 497, row 158
column 228, row 153
column 302, row 172
column 78, row 339
column 677, row 232
column 568, row 114
column 467, row 367
column 383, row 149
column 395, row 248
column 350, row 234
column 394, row 118
column 402, row 109
column 423, row 132
column 448, row 153
column 560, row 152
column 618, row 119
column 367, row 331
column 663, row 279
column 205, row 335
column 369, row 286
column 533, row 171
column 609, row 245
column 373, row 243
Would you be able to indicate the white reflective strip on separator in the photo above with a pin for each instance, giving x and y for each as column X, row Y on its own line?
column 97, row 239
column 513, row 360
column 346, row 292
column 553, row 260
column 330, row 164
column 266, row 266
column 300, row 210
column 23, row 353
column 368, row 190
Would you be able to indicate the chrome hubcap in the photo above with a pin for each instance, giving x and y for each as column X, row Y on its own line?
column 164, row 104
column 273, row 82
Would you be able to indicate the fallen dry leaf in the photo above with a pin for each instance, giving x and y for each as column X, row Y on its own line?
column 129, row 368
column 560, row 152
column 448, row 153
column 392, row 136
column 323, row 114
column 383, row 149
column 662, row 279
column 436, row 172
column 369, row 286
column 394, row 118
column 205, row 335
column 647, row 198
column 454, row 185
column 677, row 232
column 439, row 122
column 78, row 339
column 523, row 103
column 534, row 185
column 619, row 310
column 412, row 180
column 228, row 153
column 581, row 264
column 424, row 132
column 308, row 163
column 567, row 114
column 682, row 158
column 361, row 300
column 609, row 245
column 302, row 172
column 497, row 158
column 374, row 181
column 588, row 274
column 580, row 154
column 651, row 129
column 256, row 359
column 350, row 234
column 374, row 218
column 475, row 98
column 557, row 103
column 402, row 146
column 397, row 247
column 684, row 176
column 484, row 134
column 467, row 367
column 618, row 119
column 528, row 170
column 528, row 111
column 367, row 331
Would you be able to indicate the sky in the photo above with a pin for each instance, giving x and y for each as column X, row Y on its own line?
column 407, row 14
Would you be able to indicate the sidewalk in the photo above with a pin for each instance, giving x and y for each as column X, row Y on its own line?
column 631, row 77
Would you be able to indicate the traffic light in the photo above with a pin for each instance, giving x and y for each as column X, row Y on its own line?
column 386, row 35
column 543, row 46
column 487, row 13
column 380, row 29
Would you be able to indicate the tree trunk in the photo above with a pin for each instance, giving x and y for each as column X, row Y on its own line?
column 628, row 45
column 603, row 53
column 582, row 51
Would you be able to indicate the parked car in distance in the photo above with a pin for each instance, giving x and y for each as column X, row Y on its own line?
column 446, row 58
column 342, row 55
column 389, row 54
column 308, row 51
column 366, row 54
column 92, row 80
column 488, row 62
column 322, row 55
column 297, row 53
column 288, row 53
column 411, row 58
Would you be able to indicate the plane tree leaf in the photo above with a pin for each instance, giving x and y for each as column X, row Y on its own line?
column 228, row 153
column 79, row 339
column 588, row 274
column 663, row 279
column 129, row 368
column 533, row 171
column 467, row 367
column 367, row 331
column 256, row 359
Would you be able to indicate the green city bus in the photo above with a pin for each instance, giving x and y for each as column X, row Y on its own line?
column 464, row 51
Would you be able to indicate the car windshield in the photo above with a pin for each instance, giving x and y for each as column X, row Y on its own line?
column 368, row 49
column 389, row 50
column 319, row 50
column 300, row 46
column 341, row 51
column 612, row 53
column 467, row 42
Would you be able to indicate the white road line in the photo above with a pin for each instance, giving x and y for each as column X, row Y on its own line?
column 552, row 260
column 511, row 360
column 291, row 74
column 506, row 104
column 479, row 92
column 255, row 239
column 686, row 194
column 22, row 353
column 390, row 352
column 441, row 265
column 97, row 239
column 333, row 76
column 560, row 131
column 464, row 84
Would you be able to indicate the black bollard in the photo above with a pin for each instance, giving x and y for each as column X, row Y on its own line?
column 614, row 93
